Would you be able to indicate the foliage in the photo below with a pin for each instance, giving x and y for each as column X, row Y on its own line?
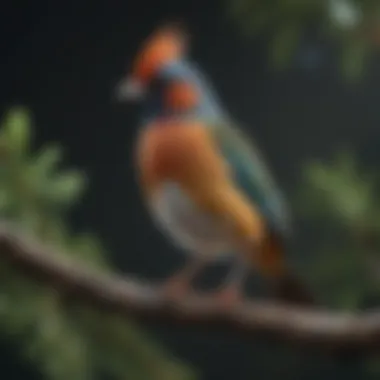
column 353, row 26
column 64, row 340
column 342, row 202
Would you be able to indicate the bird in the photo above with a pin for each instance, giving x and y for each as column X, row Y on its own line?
column 204, row 181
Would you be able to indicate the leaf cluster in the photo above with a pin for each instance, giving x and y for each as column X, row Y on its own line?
column 64, row 340
column 352, row 27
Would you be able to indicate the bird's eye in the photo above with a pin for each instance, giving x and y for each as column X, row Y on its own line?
column 181, row 96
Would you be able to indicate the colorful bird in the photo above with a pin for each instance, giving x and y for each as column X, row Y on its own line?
column 203, row 180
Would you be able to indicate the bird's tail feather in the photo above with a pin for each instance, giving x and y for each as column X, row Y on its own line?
column 288, row 288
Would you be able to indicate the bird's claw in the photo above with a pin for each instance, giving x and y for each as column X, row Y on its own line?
column 228, row 297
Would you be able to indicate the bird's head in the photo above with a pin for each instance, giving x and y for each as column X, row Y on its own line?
column 159, row 73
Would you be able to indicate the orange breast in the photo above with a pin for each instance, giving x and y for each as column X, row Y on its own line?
column 177, row 151
column 186, row 155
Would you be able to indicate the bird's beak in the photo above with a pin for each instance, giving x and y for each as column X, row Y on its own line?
column 130, row 89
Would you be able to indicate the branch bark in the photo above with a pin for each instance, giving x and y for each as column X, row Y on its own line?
column 316, row 328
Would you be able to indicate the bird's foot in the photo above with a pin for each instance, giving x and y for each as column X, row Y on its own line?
column 228, row 297
column 175, row 288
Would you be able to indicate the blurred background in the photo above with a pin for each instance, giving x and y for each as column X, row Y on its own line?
column 302, row 76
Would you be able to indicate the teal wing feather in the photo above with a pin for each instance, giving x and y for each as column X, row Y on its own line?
column 252, row 175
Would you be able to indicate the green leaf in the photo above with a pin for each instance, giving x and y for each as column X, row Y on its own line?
column 339, row 190
column 88, row 248
column 5, row 199
column 17, row 131
column 57, row 233
column 46, row 161
column 67, row 188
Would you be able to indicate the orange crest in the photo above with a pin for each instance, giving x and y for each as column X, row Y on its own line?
column 166, row 44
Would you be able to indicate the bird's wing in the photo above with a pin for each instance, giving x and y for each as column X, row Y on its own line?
column 252, row 175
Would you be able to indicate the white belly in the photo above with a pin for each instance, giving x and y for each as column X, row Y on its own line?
column 188, row 227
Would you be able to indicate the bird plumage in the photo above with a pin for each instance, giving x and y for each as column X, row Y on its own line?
column 180, row 159
column 207, row 186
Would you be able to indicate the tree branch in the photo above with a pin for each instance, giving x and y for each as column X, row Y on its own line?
column 317, row 328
